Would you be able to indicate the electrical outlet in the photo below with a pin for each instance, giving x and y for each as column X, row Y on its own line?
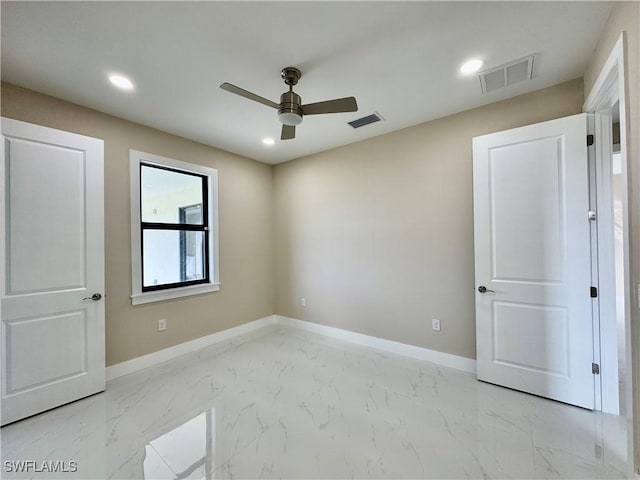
column 162, row 324
column 303, row 302
column 435, row 324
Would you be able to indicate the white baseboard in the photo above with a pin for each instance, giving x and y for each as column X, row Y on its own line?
column 419, row 353
column 145, row 361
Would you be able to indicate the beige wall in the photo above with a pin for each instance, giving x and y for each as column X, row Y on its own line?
column 625, row 17
column 245, row 209
column 378, row 235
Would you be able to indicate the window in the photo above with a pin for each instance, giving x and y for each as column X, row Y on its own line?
column 174, row 234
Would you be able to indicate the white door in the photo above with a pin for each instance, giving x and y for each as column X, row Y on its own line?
column 53, row 252
column 533, row 261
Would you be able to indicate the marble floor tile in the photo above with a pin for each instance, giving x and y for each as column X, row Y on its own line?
column 282, row 403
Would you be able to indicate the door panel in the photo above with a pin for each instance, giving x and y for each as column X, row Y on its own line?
column 27, row 370
column 532, row 253
column 50, row 205
column 52, row 335
column 520, row 173
column 531, row 337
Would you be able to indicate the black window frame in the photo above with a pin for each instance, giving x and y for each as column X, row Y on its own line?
column 180, row 227
column 182, row 216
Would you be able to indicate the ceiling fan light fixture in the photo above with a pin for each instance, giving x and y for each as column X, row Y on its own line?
column 290, row 118
column 289, row 112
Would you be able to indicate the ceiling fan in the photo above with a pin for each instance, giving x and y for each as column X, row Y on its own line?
column 290, row 110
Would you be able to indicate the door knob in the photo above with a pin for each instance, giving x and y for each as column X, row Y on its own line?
column 483, row 289
column 95, row 297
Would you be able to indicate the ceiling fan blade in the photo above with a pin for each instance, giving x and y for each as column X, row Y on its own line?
column 347, row 104
column 288, row 132
column 246, row 94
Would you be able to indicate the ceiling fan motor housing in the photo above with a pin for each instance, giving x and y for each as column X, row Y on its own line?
column 290, row 112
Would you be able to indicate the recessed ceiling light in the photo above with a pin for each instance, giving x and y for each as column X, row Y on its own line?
column 470, row 67
column 268, row 141
column 121, row 82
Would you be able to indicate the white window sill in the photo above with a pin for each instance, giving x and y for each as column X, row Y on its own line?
column 160, row 295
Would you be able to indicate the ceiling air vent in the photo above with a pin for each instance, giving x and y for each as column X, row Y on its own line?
column 361, row 122
column 507, row 74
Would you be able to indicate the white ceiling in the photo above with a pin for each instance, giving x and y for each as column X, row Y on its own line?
column 399, row 59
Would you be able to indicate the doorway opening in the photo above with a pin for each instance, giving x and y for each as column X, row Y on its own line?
column 607, row 104
column 619, row 196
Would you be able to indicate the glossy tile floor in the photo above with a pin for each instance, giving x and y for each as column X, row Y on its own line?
column 285, row 403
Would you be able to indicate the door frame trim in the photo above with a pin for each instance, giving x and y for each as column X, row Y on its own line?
column 608, row 89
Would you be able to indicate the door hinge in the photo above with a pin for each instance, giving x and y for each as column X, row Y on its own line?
column 591, row 216
column 595, row 369
column 593, row 292
column 590, row 140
